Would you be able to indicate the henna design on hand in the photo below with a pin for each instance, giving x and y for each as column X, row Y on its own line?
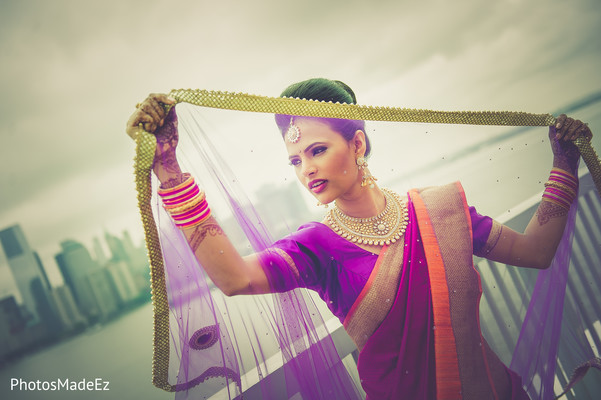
column 201, row 232
column 547, row 211
column 566, row 155
column 173, row 182
column 167, row 138
column 562, row 136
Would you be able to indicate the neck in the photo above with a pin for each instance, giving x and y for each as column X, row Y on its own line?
column 363, row 202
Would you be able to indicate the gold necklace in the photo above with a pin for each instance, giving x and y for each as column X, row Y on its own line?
column 385, row 228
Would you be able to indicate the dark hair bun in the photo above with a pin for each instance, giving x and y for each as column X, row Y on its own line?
column 321, row 89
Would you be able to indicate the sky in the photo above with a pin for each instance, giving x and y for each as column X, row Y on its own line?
column 72, row 72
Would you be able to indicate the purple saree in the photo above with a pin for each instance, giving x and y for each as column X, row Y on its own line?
column 385, row 303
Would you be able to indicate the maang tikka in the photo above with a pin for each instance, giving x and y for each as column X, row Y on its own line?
column 368, row 179
column 293, row 133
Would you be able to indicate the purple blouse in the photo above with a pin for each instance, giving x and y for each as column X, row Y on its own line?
column 315, row 257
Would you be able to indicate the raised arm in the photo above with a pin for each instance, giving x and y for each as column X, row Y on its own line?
column 230, row 272
column 535, row 248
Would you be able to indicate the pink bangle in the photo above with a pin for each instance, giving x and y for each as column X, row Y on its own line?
column 183, row 197
column 191, row 212
column 561, row 188
column 177, row 198
column 186, row 203
column 558, row 174
column 195, row 221
column 189, row 181
column 559, row 194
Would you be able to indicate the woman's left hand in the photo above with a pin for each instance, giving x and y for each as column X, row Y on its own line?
column 569, row 129
column 562, row 136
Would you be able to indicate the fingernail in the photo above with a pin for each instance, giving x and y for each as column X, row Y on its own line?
column 557, row 126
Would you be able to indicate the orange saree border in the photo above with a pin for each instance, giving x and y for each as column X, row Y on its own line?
column 448, row 381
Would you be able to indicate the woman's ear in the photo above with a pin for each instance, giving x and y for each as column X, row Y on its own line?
column 360, row 143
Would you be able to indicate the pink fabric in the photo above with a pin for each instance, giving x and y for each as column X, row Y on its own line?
column 398, row 360
column 331, row 265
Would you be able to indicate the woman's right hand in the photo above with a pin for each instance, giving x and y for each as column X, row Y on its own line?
column 153, row 118
column 150, row 114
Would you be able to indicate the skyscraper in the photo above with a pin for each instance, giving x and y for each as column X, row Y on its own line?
column 76, row 264
column 67, row 308
column 101, row 258
column 135, row 258
column 25, row 266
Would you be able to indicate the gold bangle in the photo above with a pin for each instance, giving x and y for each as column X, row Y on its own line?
column 169, row 191
column 562, row 187
column 193, row 202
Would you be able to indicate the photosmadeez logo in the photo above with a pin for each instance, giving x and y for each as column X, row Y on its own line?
column 88, row 385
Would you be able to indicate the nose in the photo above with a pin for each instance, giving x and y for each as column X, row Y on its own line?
column 308, row 169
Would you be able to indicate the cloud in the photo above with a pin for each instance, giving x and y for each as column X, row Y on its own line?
column 73, row 71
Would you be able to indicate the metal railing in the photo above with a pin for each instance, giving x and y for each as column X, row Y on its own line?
column 504, row 303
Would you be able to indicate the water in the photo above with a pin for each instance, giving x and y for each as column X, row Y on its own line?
column 119, row 353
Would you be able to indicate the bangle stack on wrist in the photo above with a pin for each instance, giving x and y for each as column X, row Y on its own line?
column 561, row 188
column 186, row 203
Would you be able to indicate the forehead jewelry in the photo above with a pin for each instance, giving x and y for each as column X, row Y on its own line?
column 293, row 133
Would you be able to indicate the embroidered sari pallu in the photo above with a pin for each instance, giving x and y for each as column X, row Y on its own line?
column 412, row 310
column 432, row 327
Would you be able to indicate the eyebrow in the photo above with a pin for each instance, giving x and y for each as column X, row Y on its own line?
column 309, row 147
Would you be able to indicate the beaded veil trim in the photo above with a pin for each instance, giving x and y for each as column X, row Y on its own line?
column 290, row 106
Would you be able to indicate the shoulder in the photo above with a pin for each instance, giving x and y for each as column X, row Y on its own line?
column 452, row 187
column 312, row 235
column 310, row 230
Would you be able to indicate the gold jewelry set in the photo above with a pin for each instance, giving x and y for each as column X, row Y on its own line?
column 383, row 229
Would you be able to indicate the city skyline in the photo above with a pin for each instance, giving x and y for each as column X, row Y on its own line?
column 95, row 290
column 10, row 287
column 7, row 282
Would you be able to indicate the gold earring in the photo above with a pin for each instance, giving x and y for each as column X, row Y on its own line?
column 368, row 179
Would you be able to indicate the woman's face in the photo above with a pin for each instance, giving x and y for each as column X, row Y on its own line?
column 324, row 162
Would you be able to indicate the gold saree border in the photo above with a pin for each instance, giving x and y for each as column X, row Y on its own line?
column 377, row 296
column 288, row 260
column 493, row 237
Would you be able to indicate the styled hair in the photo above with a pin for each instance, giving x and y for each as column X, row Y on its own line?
column 321, row 89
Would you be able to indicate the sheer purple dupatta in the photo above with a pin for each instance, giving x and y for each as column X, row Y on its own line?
column 267, row 346
column 535, row 354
